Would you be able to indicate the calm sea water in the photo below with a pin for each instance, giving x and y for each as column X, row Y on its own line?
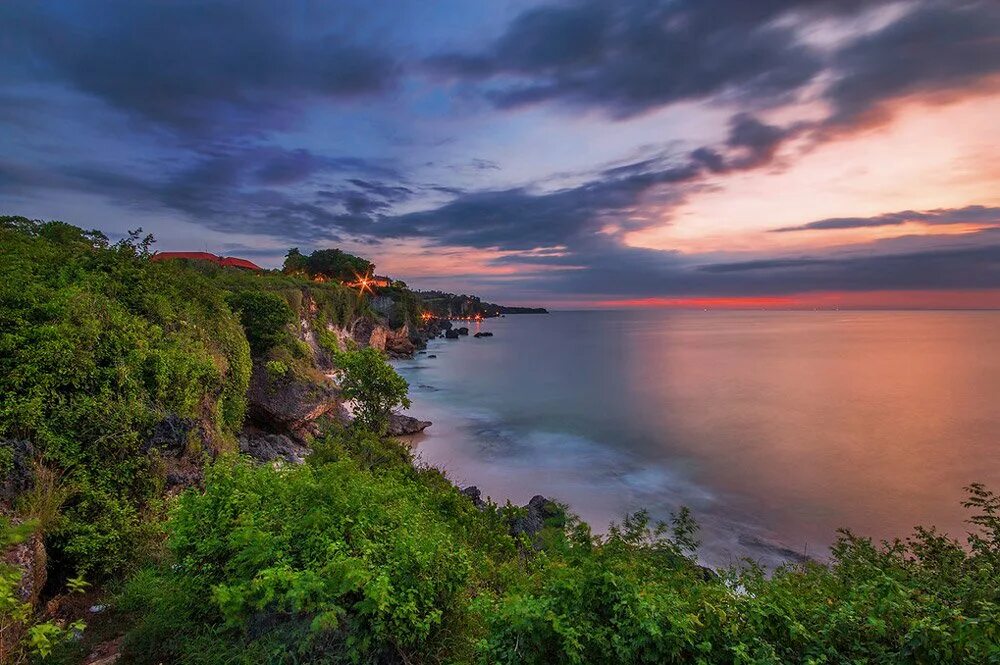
column 776, row 428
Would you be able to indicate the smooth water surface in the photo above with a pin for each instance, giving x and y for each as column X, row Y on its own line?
column 776, row 428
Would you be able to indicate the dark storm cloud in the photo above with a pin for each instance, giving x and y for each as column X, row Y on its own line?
column 604, row 267
column 958, row 268
column 633, row 56
column 263, row 190
column 941, row 47
column 630, row 57
column 520, row 219
column 199, row 68
column 267, row 190
column 970, row 214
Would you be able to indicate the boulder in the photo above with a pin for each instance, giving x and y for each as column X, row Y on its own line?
column 19, row 472
column 169, row 436
column 399, row 343
column 538, row 510
column 451, row 334
column 433, row 355
column 463, row 331
column 475, row 496
column 483, row 334
column 30, row 558
column 400, row 425
column 288, row 403
column 268, row 447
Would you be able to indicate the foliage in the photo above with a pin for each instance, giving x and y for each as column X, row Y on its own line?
column 265, row 317
column 327, row 263
column 360, row 557
column 354, row 557
column 373, row 385
column 440, row 303
column 97, row 344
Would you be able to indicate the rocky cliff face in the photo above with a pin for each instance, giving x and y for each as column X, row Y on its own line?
column 401, row 342
column 288, row 403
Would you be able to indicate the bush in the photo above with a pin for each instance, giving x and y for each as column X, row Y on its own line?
column 265, row 317
column 361, row 557
column 97, row 344
column 374, row 386
column 331, row 560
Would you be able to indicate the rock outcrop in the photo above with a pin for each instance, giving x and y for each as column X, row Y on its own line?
column 483, row 334
column 400, row 425
column 19, row 476
column 451, row 334
column 269, row 447
column 170, row 436
column 538, row 510
column 30, row 557
column 288, row 403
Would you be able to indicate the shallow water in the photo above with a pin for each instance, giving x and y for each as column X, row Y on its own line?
column 776, row 428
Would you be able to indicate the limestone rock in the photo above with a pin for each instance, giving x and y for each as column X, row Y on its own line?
column 400, row 425
column 288, row 403
column 268, row 447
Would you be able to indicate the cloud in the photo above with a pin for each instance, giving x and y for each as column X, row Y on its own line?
column 941, row 47
column 605, row 267
column 629, row 57
column 307, row 196
column 198, row 68
column 215, row 82
column 975, row 214
column 634, row 56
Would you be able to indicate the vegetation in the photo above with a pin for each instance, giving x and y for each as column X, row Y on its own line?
column 98, row 344
column 374, row 387
column 265, row 317
column 328, row 264
column 360, row 555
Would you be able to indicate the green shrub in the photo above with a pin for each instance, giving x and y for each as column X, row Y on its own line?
column 276, row 369
column 372, row 384
column 97, row 344
column 265, row 317
column 348, row 561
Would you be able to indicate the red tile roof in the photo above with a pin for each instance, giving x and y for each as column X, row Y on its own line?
column 240, row 263
column 230, row 261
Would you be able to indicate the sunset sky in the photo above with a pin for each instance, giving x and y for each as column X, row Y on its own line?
column 684, row 153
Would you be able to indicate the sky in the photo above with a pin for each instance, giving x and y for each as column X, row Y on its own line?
column 573, row 154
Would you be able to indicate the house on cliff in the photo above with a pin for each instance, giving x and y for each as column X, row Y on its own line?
column 227, row 261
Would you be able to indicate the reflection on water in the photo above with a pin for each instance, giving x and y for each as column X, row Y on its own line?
column 775, row 427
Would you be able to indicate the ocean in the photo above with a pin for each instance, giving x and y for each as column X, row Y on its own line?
column 775, row 428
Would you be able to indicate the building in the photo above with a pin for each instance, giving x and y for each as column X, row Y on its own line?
column 227, row 261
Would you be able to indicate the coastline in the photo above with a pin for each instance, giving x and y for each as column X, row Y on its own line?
column 475, row 447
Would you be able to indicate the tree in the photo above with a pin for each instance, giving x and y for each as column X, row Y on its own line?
column 294, row 262
column 328, row 263
column 373, row 385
